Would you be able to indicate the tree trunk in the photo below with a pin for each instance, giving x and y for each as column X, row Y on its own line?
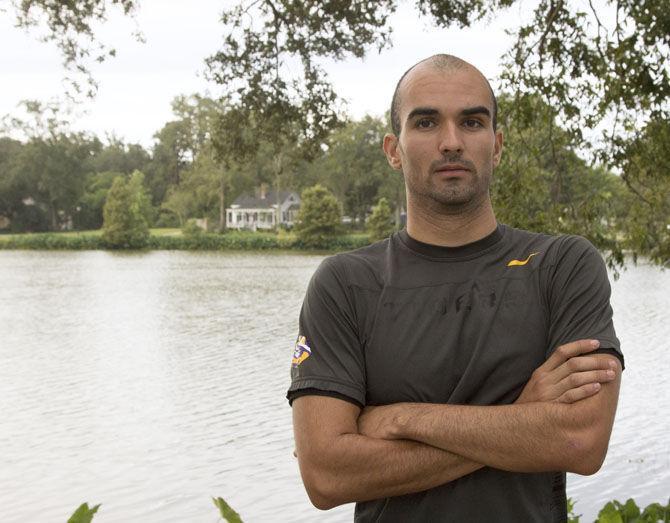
column 54, row 217
column 278, row 165
column 222, row 207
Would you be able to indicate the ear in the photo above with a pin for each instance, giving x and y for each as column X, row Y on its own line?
column 390, row 147
column 497, row 148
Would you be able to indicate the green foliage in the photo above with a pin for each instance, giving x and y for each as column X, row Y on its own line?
column 319, row 219
column 646, row 172
column 572, row 517
column 232, row 240
column 227, row 513
column 354, row 168
column 629, row 512
column 191, row 230
column 83, row 514
column 126, row 214
column 250, row 67
column 379, row 222
column 43, row 178
column 117, row 156
column 90, row 206
column 52, row 241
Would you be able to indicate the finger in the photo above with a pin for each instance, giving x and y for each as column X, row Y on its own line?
column 570, row 350
column 580, row 393
column 580, row 364
column 578, row 379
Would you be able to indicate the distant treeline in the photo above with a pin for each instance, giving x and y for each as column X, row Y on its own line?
column 55, row 179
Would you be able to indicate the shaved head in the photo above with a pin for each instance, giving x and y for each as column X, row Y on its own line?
column 441, row 62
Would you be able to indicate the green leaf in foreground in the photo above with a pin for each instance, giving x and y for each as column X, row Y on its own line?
column 572, row 517
column 617, row 512
column 83, row 514
column 657, row 512
column 227, row 512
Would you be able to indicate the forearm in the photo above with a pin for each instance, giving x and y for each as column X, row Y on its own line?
column 531, row 437
column 339, row 465
column 521, row 438
column 360, row 468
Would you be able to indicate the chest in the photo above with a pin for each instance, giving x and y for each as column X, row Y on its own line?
column 475, row 341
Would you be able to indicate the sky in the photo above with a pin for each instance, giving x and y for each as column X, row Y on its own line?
column 137, row 86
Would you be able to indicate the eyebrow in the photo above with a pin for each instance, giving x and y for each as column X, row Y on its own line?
column 430, row 111
column 480, row 109
column 422, row 111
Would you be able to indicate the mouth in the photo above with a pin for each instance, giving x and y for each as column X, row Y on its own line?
column 452, row 169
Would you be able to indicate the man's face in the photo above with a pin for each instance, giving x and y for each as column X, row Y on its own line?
column 447, row 147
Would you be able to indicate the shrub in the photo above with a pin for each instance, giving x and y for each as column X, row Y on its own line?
column 319, row 220
column 379, row 224
column 191, row 229
column 126, row 214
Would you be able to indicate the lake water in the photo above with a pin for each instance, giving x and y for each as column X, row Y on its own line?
column 151, row 382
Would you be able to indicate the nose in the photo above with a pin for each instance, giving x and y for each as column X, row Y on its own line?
column 450, row 139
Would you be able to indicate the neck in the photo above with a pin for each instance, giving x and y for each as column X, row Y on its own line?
column 450, row 229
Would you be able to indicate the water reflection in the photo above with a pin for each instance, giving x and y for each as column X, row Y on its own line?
column 150, row 382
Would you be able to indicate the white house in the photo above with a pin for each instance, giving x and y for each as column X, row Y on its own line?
column 259, row 211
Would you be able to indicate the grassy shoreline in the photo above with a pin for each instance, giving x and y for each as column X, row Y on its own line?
column 173, row 239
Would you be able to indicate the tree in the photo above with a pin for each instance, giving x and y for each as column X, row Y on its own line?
column 380, row 225
column 319, row 219
column 50, row 169
column 11, row 189
column 646, row 219
column 54, row 170
column 541, row 184
column 117, row 156
column 208, row 176
column 126, row 214
column 265, row 103
column 202, row 179
column 90, row 206
column 168, row 160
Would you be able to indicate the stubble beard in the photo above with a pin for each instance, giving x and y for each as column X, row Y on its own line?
column 451, row 197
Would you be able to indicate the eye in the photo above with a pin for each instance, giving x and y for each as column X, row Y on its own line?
column 473, row 123
column 424, row 123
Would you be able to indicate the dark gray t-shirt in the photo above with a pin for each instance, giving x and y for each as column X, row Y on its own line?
column 404, row 321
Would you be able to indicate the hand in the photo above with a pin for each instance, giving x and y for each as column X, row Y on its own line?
column 378, row 422
column 567, row 376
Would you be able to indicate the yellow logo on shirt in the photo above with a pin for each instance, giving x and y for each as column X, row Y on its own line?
column 301, row 352
column 514, row 263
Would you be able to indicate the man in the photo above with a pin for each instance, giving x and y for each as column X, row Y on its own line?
column 450, row 373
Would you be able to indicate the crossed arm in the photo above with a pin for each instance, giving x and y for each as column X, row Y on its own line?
column 561, row 421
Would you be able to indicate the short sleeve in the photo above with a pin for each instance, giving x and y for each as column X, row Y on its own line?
column 579, row 298
column 328, row 355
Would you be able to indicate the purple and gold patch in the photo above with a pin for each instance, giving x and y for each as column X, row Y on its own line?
column 301, row 352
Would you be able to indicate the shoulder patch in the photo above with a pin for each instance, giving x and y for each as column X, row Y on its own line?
column 302, row 351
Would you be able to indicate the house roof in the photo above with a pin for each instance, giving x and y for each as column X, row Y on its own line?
column 250, row 201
